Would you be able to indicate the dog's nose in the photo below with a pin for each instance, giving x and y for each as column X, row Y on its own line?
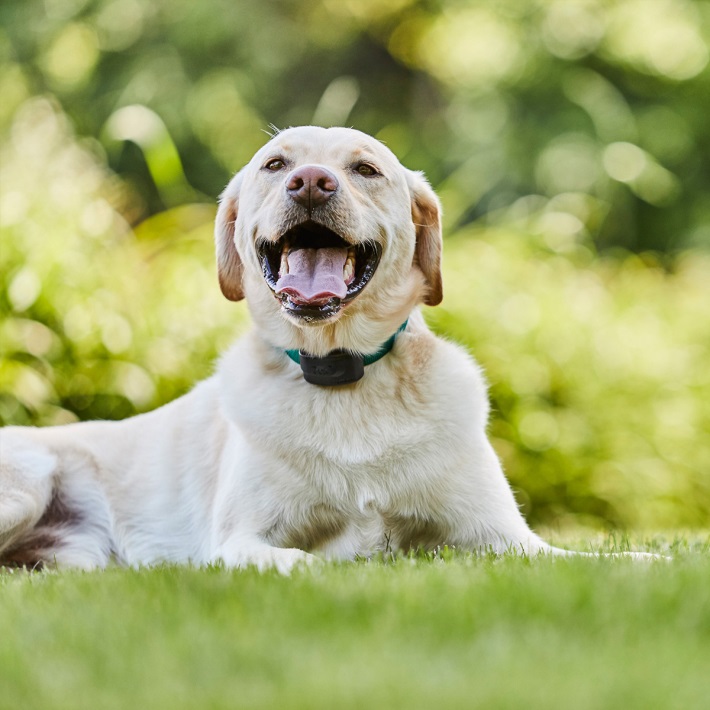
column 311, row 186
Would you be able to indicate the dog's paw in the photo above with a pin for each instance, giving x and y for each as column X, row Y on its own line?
column 645, row 556
column 283, row 560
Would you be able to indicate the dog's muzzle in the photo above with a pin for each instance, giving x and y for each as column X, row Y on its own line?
column 314, row 272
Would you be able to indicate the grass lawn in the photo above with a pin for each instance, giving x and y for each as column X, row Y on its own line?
column 444, row 631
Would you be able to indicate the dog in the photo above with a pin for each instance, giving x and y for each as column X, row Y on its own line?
column 339, row 426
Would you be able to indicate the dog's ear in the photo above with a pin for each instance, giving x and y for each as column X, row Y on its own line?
column 426, row 215
column 229, row 263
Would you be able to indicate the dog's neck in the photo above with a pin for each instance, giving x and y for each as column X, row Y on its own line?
column 339, row 367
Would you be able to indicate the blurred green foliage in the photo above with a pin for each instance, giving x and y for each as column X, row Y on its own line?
column 493, row 99
column 599, row 373
column 569, row 141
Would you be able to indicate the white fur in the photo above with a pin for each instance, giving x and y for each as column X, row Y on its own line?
column 255, row 465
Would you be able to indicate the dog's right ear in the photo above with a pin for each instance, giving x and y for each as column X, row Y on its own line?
column 229, row 263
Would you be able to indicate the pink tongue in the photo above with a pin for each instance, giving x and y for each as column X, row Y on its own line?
column 314, row 275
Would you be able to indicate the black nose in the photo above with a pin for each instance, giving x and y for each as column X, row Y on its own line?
column 311, row 186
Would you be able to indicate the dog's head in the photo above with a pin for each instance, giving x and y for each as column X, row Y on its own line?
column 327, row 228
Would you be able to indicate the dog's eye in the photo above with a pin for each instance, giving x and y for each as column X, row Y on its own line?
column 366, row 169
column 275, row 165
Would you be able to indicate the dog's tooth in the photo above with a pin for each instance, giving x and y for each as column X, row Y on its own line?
column 349, row 266
column 284, row 263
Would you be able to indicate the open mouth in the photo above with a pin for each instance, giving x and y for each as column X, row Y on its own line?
column 313, row 271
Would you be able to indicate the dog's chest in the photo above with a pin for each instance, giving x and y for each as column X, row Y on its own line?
column 363, row 426
column 355, row 492
column 343, row 445
column 349, row 469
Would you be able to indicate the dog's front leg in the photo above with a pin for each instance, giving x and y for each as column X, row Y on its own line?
column 245, row 507
column 478, row 513
column 248, row 550
column 482, row 515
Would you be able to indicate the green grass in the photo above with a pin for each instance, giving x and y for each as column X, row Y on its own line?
column 444, row 631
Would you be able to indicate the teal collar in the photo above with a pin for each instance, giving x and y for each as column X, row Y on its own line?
column 339, row 367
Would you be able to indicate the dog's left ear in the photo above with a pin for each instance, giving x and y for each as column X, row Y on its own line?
column 426, row 215
column 229, row 263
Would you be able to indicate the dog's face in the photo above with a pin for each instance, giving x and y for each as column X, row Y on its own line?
column 325, row 225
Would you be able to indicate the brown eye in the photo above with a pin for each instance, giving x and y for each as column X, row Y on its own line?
column 275, row 165
column 366, row 170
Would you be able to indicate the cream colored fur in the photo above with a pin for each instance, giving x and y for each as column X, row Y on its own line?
column 257, row 467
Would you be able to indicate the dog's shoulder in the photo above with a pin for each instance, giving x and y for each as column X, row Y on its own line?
column 443, row 373
column 436, row 358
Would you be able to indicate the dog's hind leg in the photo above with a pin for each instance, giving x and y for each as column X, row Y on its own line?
column 26, row 482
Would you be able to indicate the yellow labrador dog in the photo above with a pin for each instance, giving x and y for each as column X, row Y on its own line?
column 340, row 425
